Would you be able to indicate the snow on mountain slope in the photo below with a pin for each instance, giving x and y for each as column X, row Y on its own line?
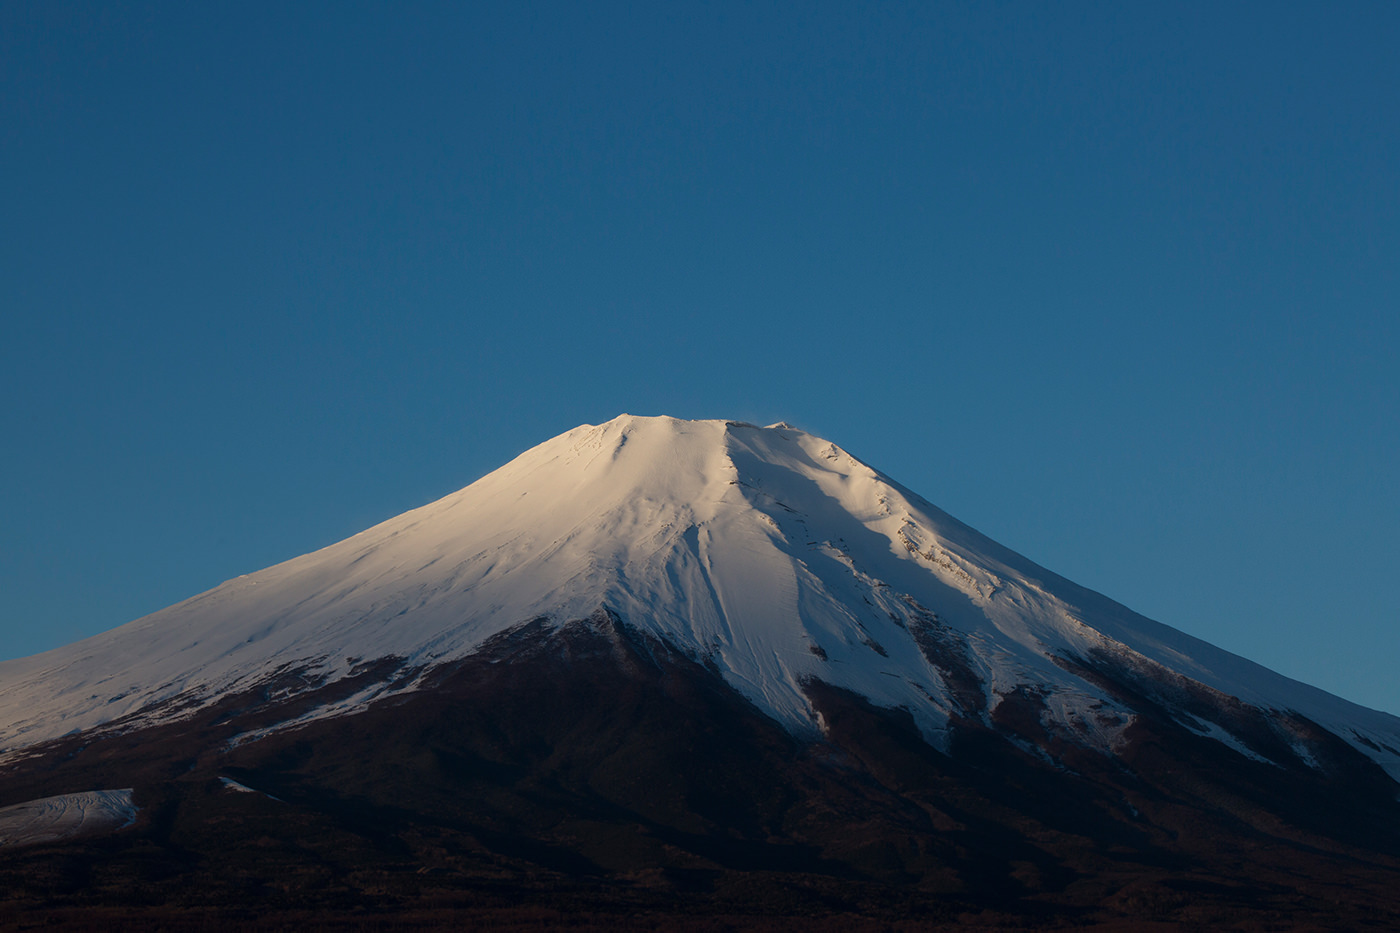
column 66, row 816
column 768, row 552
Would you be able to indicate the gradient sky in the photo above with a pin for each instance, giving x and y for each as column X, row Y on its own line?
column 1116, row 284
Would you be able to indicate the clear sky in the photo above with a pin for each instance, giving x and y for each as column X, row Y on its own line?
column 1117, row 284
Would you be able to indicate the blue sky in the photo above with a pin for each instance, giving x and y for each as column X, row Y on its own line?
column 1115, row 285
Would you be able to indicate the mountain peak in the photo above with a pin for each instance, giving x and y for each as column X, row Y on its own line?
column 768, row 554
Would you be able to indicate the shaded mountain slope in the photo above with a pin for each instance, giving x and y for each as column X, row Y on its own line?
column 591, row 770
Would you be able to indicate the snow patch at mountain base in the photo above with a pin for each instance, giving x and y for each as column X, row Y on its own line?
column 229, row 784
column 66, row 816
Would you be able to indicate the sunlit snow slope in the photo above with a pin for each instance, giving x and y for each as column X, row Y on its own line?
column 769, row 552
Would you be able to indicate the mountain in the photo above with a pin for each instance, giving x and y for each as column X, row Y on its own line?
column 658, row 662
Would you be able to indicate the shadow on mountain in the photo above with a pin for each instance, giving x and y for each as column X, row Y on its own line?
column 592, row 777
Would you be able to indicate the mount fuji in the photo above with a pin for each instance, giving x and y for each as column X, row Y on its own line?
column 684, row 659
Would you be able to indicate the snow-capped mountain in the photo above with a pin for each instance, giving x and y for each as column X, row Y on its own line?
column 658, row 670
column 768, row 555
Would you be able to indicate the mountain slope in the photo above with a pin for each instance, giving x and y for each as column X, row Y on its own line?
column 588, row 775
column 769, row 554
column 684, row 675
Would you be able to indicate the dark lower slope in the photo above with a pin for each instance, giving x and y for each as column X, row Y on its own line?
column 593, row 778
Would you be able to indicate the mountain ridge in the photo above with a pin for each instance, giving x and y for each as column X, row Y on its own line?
column 770, row 553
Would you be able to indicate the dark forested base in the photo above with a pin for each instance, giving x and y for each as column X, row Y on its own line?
column 595, row 780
